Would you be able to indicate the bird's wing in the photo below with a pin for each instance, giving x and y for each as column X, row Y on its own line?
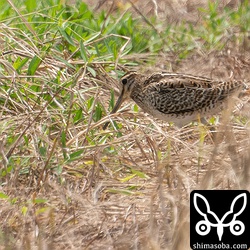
column 182, row 96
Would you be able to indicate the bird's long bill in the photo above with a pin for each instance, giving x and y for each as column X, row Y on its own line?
column 119, row 102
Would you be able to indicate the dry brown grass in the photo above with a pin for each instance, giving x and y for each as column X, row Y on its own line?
column 126, row 191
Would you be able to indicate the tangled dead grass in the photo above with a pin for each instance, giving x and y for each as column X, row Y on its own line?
column 126, row 189
column 135, row 198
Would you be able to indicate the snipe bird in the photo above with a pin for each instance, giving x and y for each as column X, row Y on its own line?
column 177, row 98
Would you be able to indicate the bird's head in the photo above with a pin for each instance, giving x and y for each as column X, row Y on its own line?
column 128, row 82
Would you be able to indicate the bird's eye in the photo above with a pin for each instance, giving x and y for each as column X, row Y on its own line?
column 124, row 81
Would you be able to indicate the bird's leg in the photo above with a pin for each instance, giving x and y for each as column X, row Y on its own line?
column 204, row 121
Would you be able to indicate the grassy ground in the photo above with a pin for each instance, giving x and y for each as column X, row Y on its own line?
column 65, row 183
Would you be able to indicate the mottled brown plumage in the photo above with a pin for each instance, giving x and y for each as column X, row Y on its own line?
column 177, row 98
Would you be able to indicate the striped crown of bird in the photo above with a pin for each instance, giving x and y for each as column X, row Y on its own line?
column 175, row 97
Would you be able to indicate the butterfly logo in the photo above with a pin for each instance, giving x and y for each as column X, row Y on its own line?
column 203, row 227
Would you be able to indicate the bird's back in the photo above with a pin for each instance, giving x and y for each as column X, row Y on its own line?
column 180, row 97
